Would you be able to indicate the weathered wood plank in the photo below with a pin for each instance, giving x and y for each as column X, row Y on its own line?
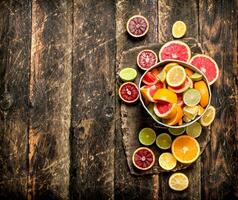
column 218, row 33
column 15, row 34
column 50, row 99
column 92, row 131
column 126, row 185
column 169, row 12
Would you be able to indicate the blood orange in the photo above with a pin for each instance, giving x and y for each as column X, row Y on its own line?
column 137, row 26
column 143, row 158
column 128, row 92
column 149, row 79
column 146, row 58
column 165, row 109
column 207, row 65
column 176, row 50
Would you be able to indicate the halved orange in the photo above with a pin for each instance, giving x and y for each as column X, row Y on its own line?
column 165, row 95
column 185, row 149
column 176, row 119
column 201, row 86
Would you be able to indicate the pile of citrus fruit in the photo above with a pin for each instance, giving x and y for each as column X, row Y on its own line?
column 174, row 94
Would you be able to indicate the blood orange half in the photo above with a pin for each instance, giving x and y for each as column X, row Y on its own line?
column 175, row 50
column 207, row 65
column 146, row 58
column 129, row 92
column 143, row 158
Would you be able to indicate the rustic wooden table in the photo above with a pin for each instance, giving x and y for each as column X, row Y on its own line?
column 59, row 119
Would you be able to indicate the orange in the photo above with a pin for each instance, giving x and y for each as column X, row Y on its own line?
column 200, row 110
column 165, row 95
column 169, row 66
column 201, row 86
column 185, row 149
column 189, row 72
column 176, row 119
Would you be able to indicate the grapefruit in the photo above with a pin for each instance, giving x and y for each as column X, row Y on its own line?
column 176, row 50
column 156, row 71
column 137, row 26
column 129, row 92
column 165, row 95
column 181, row 88
column 148, row 91
column 143, row 158
column 207, row 65
column 146, row 58
column 149, row 79
column 174, row 120
column 201, row 86
column 165, row 109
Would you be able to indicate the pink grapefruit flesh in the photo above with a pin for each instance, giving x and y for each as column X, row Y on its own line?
column 137, row 26
column 128, row 92
column 181, row 88
column 146, row 58
column 149, row 79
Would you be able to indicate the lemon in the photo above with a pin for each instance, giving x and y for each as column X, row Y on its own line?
column 176, row 76
column 179, row 29
column 194, row 130
column 163, row 141
column 208, row 116
column 190, row 111
column 178, row 181
column 147, row 136
column 167, row 161
column 176, row 131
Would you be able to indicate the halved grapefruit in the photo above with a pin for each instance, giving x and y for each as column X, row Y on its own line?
column 175, row 50
column 181, row 88
column 207, row 65
column 149, row 79
column 165, row 109
column 146, row 58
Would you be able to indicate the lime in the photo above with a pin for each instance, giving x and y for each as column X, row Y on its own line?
column 196, row 76
column 128, row 74
column 194, row 130
column 190, row 111
column 179, row 29
column 147, row 136
column 163, row 141
column 208, row 116
column 178, row 181
column 191, row 97
column 162, row 76
column 176, row 76
column 176, row 131
column 167, row 161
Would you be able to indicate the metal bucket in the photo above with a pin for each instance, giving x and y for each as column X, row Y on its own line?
column 163, row 63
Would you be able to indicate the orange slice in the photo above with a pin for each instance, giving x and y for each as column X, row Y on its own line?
column 189, row 72
column 201, row 86
column 176, row 76
column 165, row 95
column 185, row 149
column 176, row 119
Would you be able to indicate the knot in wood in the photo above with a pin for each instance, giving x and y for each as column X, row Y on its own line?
column 6, row 101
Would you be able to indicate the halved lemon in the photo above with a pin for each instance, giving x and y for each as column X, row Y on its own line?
column 176, row 76
column 208, row 116
column 178, row 181
column 169, row 66
column 167, row 161
column 179, row 29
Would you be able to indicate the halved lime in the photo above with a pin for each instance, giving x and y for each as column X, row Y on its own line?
column 176, row 131
column 147, row 136
column 208, row 116
column 162, row 76
column 191, row 97
column 163, row 141
column 196, row 76
column 128, row 74
column 194, row 130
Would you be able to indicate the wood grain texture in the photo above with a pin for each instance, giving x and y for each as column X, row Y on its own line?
column 50, row 99
column 92, row 128
column 218, row 34
column 15, row 33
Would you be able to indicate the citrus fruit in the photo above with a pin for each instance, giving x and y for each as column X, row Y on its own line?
column 185, row 149
column 200, row 110
column 176, row 131
column 207, row 65
column 147, row 136
column 201, row 86
column 188, row 71
column 146, row 58
column 165, row 95
column 161, row 76
column 167, row 161
column 176, row 76
column 174, row 120
column 128, row 92
column 179, row 29
column 180, row 100
column 148, row 91
column 178, row 181
column 191, row 97
column 163, row 141
column 156, row 71
column 165, row 109
column 180, row 122
column 187, row 119
column 196, row 76
column 150, row 108
column 184, row 86
column 190, row 111
column 176, row 50
column 208, row 116
column 128, row 74
column 149, row 79
column 143, row 158
column 137, row 26
column 169, row 66
column 194, row 130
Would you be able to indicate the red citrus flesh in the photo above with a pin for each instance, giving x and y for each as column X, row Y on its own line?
column 163, row 106
column 137, row 26
column 143, row 158
column 181, row 88
column 176, row 50
column 149, row 79
column 146, row 59
column 128, row 92
column 180, row 100
column 207, row 65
